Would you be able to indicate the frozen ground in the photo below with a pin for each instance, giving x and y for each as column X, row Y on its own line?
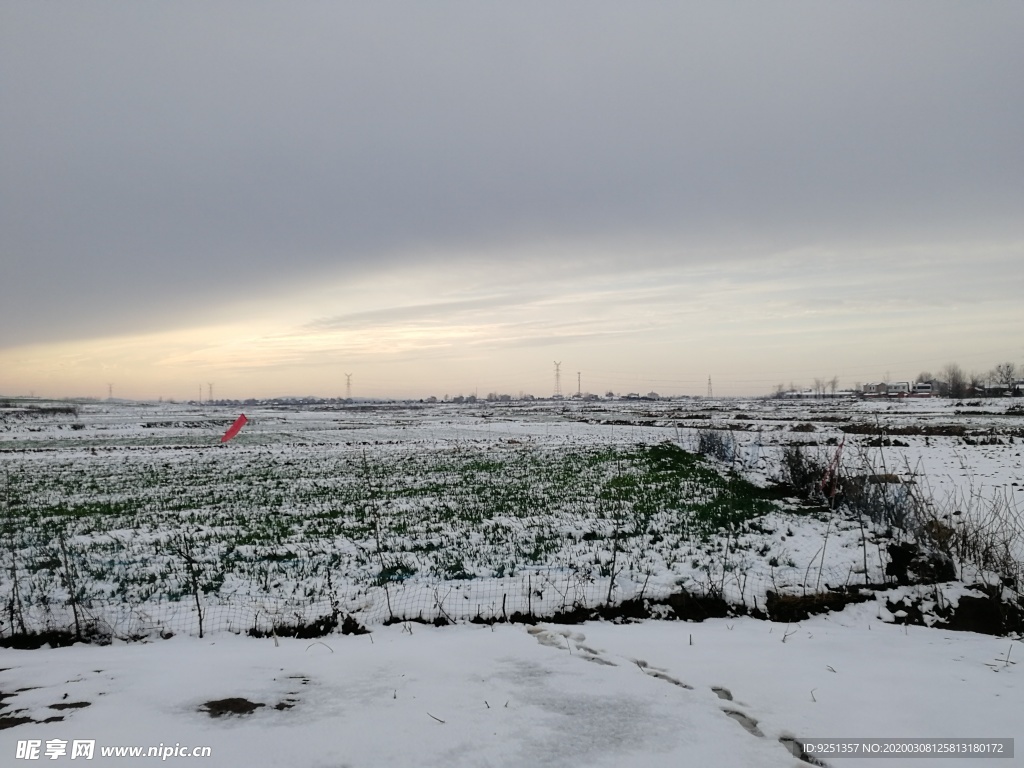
column 973, row 446
column 721, row 692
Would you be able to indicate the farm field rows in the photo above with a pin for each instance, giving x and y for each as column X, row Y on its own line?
column 455, row 511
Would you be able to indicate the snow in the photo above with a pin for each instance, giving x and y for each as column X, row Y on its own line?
column 599, row 694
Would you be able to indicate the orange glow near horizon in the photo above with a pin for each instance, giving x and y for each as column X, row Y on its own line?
column 413, row 335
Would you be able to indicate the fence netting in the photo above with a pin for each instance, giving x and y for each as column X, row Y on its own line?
column 537, row 594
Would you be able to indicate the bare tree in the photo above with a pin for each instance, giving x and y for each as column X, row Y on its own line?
column 977, row 383
column 833, row 384
column 956, row 380
column 924, row 377
column 1005, row 375
column 819, row 387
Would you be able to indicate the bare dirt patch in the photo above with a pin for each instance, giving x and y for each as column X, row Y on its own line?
column 13, row 719
column 232, row 706
column 70, row 705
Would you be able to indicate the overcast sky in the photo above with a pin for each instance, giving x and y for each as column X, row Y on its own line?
column 448, row 196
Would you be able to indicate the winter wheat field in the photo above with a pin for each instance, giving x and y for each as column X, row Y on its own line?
column 689, row 582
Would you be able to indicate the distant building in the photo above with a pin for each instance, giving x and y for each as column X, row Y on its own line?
column 888, row 389
column 799, row 394
column 1001, row 390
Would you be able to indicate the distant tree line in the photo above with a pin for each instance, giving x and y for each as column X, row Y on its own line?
column 951, row 381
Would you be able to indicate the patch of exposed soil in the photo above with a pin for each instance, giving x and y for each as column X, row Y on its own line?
column 319, row 627
column 28, row 641
column 691, row 607
column 70, row 705
column 911, row 564
column 800, row 607
column 13, row 719
column 681, row 605
column 11, row 722
column 934, row 430
column 232, row 706
column 33, row 640
column 986, row 613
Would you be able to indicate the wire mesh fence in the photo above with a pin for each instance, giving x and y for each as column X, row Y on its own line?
column 531, row 595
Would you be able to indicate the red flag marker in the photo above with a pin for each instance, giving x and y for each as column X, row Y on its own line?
column 235, row 428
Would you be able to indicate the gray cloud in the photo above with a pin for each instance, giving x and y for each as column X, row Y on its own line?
column 155, row 159
column 416, row 313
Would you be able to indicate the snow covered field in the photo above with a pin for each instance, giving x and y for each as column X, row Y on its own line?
column 457, row 511
column 482, row 511
column 722, row 693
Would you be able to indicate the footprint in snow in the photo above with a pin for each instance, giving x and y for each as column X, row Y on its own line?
column 660, row 674
column 748, row 723
column 566, row 640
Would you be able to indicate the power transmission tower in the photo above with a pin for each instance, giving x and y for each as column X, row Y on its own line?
column 348, row 386
column 110, row 391
column 579, row 386
column 709, row 387
column 209, row 391
column 558, row 379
